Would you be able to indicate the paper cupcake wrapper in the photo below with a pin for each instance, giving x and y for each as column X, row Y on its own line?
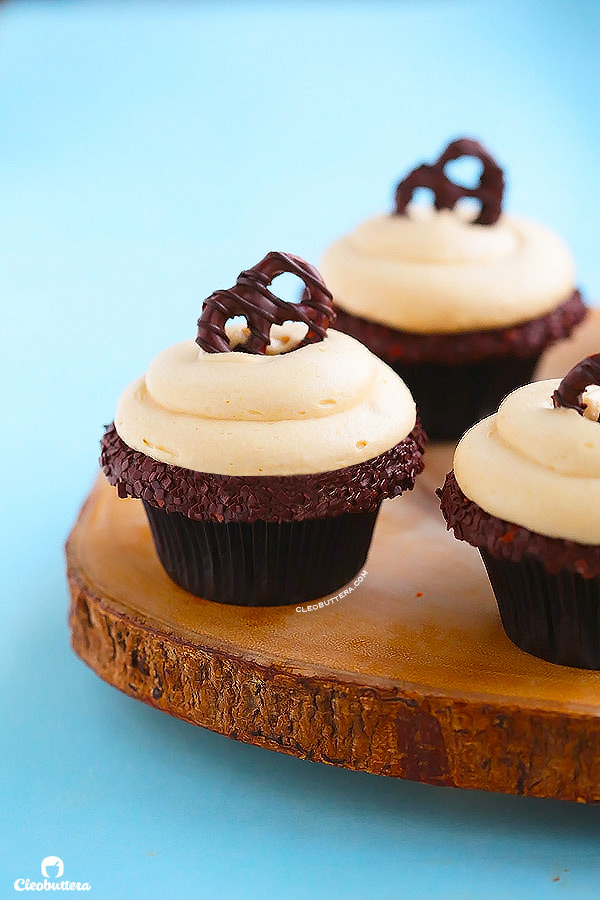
column 451, row 398
column 555, row 617
column 261, row 563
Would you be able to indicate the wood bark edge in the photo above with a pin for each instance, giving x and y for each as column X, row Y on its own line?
column 431, row 739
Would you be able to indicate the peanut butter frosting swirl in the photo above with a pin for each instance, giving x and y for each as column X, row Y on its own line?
column 324, row 406
column 536, row 465
column 436, row 271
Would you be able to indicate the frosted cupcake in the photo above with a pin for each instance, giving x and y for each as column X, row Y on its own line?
column 459, row 302
column 525, row 490
column 262, row 451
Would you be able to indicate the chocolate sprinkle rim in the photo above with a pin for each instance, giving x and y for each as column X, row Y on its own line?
column 509, row 541
column 524, row 340
column 271, row 498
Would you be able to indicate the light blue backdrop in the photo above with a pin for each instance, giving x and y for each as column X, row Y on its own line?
column 148, row 152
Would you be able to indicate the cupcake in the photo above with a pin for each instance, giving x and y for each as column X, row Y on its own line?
column 263, row 450
column 459, row 302
column 525, row 490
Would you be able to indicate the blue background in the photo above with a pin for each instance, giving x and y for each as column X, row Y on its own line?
column 148, row 152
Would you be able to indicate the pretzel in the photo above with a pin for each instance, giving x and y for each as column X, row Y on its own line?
column 488, row 191
column 250, row 297
column 568, row 393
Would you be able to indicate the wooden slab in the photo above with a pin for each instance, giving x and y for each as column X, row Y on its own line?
column 409, row 675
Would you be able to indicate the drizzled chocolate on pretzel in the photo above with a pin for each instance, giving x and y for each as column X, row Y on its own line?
column 569, row 393
column 250, row 297
column 447, row 193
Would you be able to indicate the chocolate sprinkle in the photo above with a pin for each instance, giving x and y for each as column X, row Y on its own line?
column 489, row 190
column 568, row 393
column 506, row 540
column 250, row 297
column 525, row 340
column 275, row 498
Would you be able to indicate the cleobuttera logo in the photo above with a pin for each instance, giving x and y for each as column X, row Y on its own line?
column 52, row 869
column 51, row 863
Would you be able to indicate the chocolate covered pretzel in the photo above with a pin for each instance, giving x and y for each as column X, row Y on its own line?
column 250, row 297
column 569, row 392
column 489, row 190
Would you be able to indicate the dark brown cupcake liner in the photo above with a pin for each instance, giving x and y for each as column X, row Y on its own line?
column 451, row 398
column 547, row 589
column 553, row 616
column 458, row 379
column 227, row 498
column 261, row 563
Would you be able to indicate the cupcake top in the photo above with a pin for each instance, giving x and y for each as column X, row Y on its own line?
column 277, row 394
column 446, row 268
column 536, row 463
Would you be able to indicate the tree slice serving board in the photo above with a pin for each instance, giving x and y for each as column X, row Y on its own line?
column 409, row 675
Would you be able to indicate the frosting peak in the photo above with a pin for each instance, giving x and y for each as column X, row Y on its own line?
column 429, row 236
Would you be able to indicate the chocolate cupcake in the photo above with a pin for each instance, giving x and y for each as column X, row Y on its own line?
column 525, row 490
column 263, row 450
column 459, row 302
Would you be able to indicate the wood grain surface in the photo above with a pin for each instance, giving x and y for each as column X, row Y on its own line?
column 408, row 675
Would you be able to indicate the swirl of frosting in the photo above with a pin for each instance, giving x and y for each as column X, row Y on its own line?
column 325, row 406
column 536, row 465
column 435, row 271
